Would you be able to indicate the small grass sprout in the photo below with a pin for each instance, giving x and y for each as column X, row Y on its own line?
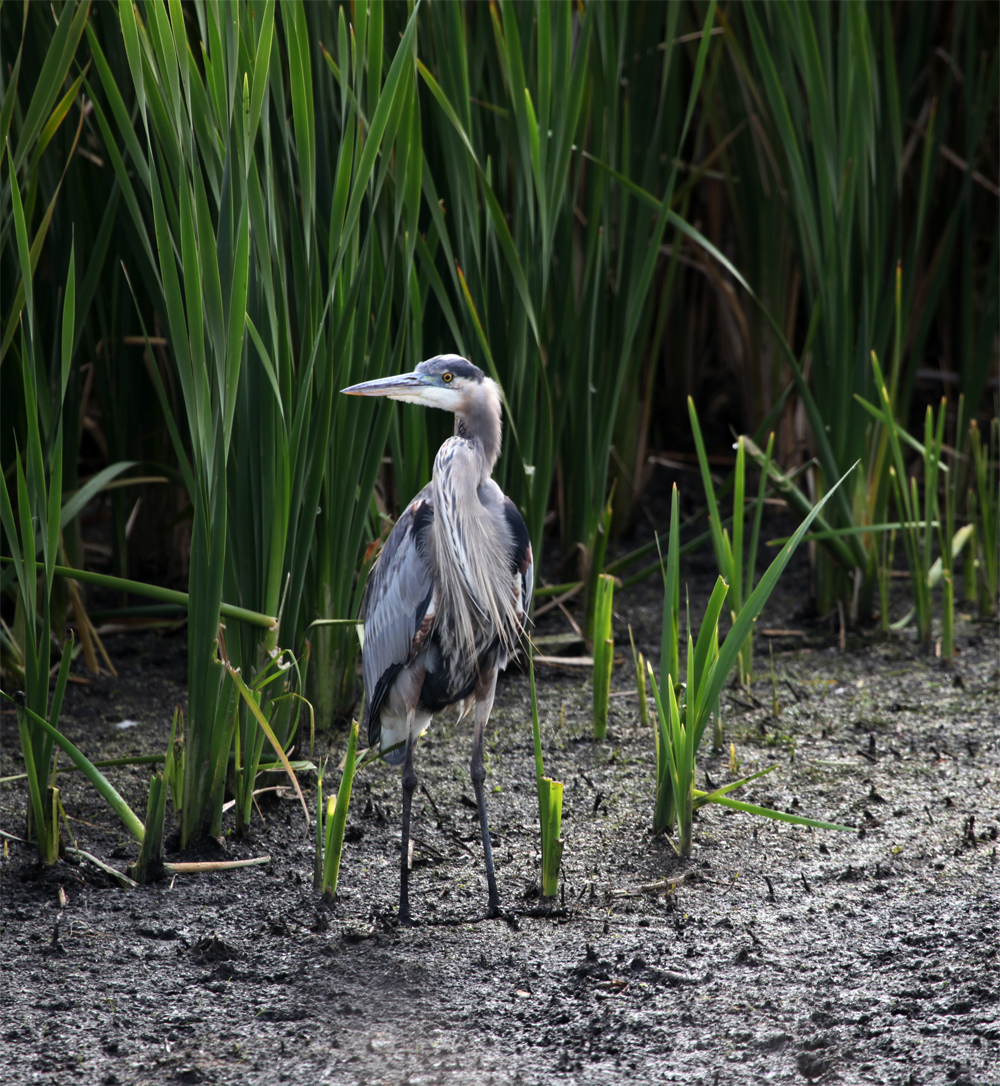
column 337, row 807
column 639, row 663
column 550, row 799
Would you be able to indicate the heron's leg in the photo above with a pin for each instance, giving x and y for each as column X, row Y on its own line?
column 484, row 704
column 409, row 784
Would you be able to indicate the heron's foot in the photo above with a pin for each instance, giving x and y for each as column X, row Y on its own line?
column 493, row 910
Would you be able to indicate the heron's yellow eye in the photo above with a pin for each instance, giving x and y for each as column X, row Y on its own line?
column 446, row 377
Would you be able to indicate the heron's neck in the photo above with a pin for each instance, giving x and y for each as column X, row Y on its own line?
column 480, row 422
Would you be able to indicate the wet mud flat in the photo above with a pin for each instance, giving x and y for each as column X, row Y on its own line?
column 775, row 954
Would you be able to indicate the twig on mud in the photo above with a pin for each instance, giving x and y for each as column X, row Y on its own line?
column 559, row 601
column 214, row 865
column 430, row 799
column 279, row 788
column 458, row 840
column 663, row 886
column 511, row 916
column 616, row 986
column 424, row 846
column 120, row 877
column 792, row 689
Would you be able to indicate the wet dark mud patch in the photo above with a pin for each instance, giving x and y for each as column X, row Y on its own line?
column 775, row 954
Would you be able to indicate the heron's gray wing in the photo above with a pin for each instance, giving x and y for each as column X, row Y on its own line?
column 398, row 609
column 522, row 564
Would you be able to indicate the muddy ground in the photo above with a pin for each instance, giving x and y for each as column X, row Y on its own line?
column 781, row 955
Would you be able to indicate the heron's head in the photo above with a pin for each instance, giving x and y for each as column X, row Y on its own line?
column 446, row 381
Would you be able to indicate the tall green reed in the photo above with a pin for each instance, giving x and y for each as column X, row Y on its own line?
column 44, row 129
column 195, row 175
column 35, row 527
column 42, row 119
column 550, row 266
column 373, row 319
column 276, row 241
column 829, row 94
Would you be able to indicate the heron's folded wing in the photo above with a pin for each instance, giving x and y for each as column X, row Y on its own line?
column 521, row 561
column 398, row 608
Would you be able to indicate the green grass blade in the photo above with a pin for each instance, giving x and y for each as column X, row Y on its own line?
column 105, row 789
column 775, row 816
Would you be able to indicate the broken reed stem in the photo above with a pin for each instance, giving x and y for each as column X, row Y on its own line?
column 214, row 865
column 148, row 867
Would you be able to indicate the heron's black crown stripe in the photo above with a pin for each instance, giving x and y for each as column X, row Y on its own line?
column 453, row 364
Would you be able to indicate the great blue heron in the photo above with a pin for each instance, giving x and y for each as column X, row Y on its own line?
column 449, row 594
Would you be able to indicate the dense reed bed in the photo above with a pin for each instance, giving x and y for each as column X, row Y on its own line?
column 214, row 217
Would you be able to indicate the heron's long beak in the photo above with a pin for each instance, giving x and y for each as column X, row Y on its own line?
column 404, row 384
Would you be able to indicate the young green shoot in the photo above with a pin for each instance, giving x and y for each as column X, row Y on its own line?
column 336, row 819
column 550, row 798
column 684, row 713
column 320, row 834
column 639, row 664
column 604, row 652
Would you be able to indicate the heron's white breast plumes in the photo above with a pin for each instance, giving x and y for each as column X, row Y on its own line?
column 472, row 543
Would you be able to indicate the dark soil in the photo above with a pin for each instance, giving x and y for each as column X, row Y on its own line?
column 776, row 954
